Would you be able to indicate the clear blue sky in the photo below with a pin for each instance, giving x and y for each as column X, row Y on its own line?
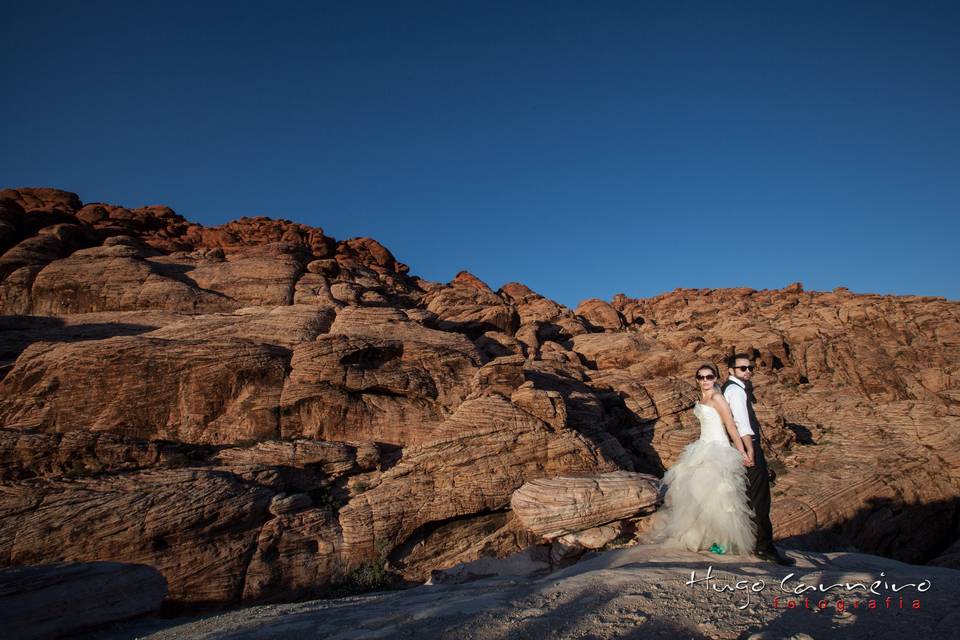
column 582, row 148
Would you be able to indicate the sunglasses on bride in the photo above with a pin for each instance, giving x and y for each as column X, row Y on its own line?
column 709, row 376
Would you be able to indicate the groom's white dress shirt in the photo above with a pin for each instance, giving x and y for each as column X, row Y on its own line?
column 736, row 395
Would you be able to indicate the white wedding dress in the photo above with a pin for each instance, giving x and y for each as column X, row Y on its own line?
column 706, row 501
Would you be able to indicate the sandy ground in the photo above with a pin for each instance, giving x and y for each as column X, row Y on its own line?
column 634, row 592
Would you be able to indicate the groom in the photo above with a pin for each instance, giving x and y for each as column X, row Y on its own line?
column 738, row 390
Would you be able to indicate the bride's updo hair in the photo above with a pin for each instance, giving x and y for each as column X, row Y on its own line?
column 708, row 365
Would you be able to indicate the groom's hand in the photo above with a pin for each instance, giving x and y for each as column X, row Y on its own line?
column 748, row 451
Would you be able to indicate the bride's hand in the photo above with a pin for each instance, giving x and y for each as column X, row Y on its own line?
column 746, row 458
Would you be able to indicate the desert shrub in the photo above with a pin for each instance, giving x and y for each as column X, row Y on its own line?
column 372, row 575
column 324, row 498
column 359, row 487
column 76, row 470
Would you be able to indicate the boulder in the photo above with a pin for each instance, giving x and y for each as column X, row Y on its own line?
column 556, row 507
column 62, row 599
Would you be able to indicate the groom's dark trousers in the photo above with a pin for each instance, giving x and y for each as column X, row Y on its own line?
column 758, row 490
column 758, row 480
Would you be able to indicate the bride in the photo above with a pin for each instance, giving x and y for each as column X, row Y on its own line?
column 706, row 504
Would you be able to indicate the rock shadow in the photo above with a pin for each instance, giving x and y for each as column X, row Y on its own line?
column 802, row 434
column 910, row 532
column 178, row 272
column 603, row 417
column 17, row 332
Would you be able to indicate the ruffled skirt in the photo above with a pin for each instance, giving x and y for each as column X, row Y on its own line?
column 706, row 501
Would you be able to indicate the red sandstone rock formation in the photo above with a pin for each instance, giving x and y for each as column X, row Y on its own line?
column 257, row 409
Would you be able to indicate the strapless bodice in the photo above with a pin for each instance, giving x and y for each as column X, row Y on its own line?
column 711, row 425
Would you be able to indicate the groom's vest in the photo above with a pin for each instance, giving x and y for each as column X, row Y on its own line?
column 754, row 423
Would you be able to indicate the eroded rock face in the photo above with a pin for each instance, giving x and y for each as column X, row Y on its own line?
column 450, row 542
column 481, row 455
column 284, row 326
column 212, row 391
column 469, row 306
column 258, row 410
column 124, row 276
column 601, row 315
column 297, row 553
column 351, row 388
column 197, row 527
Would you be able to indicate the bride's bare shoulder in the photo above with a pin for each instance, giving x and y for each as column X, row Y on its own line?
column 717, row 401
